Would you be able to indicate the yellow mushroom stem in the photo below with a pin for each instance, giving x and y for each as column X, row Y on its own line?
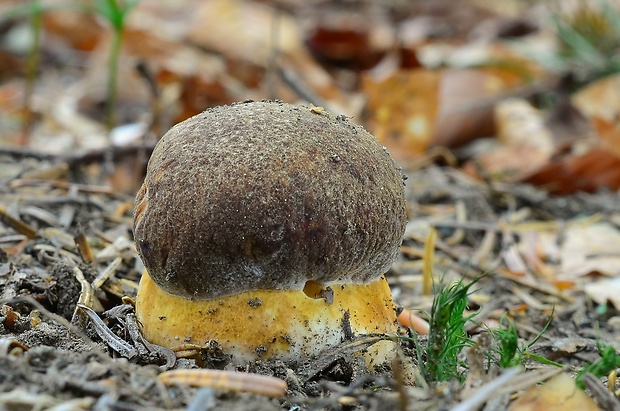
column 284, row 324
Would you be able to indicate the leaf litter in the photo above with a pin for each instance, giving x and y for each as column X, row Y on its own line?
column 69, row 270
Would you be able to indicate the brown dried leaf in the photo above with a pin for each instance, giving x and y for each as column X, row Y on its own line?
column 596, row 169
column 609, row 135
column 245, row 31
column 526, row 142
column 356, row 38
column 558, row 394
column 81, row 30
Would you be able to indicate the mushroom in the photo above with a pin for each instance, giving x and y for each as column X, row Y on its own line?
column 267, row 227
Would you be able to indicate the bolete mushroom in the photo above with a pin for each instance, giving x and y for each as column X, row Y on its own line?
column 267, row 227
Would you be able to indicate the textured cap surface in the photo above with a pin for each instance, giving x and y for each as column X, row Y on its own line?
column 267, row 195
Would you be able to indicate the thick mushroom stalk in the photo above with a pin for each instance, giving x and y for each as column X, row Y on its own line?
column 267, row 227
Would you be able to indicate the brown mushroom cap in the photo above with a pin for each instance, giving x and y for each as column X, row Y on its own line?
column 267, row 195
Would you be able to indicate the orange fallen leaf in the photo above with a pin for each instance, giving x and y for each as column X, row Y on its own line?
column 563, row 285
column 402, row 110
column 414, row 109
column 598, row 167
column 81, row 30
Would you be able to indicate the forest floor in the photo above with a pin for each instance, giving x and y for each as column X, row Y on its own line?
column 503, row 115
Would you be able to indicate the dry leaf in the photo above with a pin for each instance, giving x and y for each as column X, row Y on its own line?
column 600, row 102
column 81, row 30
column 600, row 166
column 519, row 123
column 244, row 31
column 402, row 110
column 608, row 134
column 356, row 38
column 589, row 249
column 412, row 110
column 600, row 99
column 526, row 142
column 604, row 291
column 558, row 394
column 533, row 250
column 587, row 172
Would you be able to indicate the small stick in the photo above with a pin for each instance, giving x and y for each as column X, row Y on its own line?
column 606, row 399
column 106, row 273
column 139, row 340
column 17, row 224
column 485, row 248
column 538, row 286
column 429, row 259
column 86, row 294
column 226, row 380
column 117, row 344
column 461, row 217
column 87, row 298
column 84, row 188
column 486, row 391
column 83, row 247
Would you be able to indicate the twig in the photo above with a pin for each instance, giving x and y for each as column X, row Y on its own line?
column 82, row 157
column 17, row 225
column 461, row 217
column 226, row 380
column 484, row 393
column 117, row 344
column 606, row 400
column 22, row 182
column 538, row 286
column 82, row 245
column 106, row 273
column 139, row 340
column 298, row 86
column 429, row 259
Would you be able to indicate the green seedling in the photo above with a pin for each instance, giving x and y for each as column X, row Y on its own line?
column 439, row 360
column 447, row 335
column 115, row 12
column 588, row 42
column 34, row 11
column 609, row 361
column 509, row 353
column 32, row 66
column 507, row 339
